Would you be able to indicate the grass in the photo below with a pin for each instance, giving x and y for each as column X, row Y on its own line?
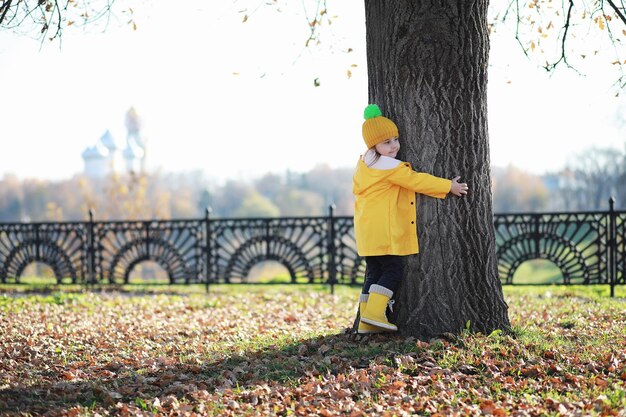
column 538, row 271
column 278, row 350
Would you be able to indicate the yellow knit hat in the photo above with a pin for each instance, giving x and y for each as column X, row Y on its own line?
column 376, row 128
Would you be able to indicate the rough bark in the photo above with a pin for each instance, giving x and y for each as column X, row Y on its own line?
column 427, row 68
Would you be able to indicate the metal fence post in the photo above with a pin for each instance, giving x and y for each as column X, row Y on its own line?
column 332, row 267
column 612, row 245
column 36, row 226
column 91, row 250
column 207, row 244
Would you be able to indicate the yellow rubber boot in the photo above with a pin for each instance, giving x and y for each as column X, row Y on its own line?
column 365, row 328
column 375, row 311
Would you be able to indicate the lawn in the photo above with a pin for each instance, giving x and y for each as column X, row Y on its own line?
column 280, row 350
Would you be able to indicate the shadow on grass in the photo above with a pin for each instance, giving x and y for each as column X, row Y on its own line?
column 105, row 386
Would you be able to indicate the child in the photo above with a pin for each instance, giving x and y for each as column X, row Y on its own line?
column 384, row 215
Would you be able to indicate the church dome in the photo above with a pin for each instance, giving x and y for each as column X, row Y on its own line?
column 96, row 151
column 133, row 122
column 109, row 141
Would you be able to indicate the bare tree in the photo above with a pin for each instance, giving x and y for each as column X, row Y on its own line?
column 517, row 191
column 596, row 175
column 552, row 31
column 47, row 19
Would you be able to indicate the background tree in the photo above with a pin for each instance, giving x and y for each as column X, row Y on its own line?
column 11, row 199
column 594, row 175
column 173, row 196
column 256, row 205
column 334, row 185
column 427, row 66
column 288, row 196
column 517, row 191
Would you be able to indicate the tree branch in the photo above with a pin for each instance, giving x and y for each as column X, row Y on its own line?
column 517, row 21
column 59, row 19
column 508, row 8
column 5, row 9
column 617, row 11
column 621, row 81
column 313, row 24
column 550, row 67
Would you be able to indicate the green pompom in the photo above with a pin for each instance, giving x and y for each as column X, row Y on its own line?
column 372, row 111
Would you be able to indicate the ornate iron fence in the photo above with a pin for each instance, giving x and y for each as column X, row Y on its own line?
column 588, row 248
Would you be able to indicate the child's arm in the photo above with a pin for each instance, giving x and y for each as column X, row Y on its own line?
column 427, row 184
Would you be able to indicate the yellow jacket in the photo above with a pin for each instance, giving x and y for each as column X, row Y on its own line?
column 384, row 208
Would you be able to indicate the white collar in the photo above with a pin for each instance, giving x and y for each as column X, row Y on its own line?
column 383, row 162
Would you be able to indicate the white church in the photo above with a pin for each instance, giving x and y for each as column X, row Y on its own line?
column 109, row 156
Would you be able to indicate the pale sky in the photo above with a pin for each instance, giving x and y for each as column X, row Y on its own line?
column 237, row 100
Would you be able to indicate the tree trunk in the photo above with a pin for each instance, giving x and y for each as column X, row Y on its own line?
column 427, row 68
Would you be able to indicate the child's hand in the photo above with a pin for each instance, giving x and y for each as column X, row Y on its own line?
column 458, row 188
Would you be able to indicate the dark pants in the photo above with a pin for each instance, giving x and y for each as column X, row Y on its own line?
column 386, row 271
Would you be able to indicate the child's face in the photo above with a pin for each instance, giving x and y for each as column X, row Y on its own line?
column 390, row 147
